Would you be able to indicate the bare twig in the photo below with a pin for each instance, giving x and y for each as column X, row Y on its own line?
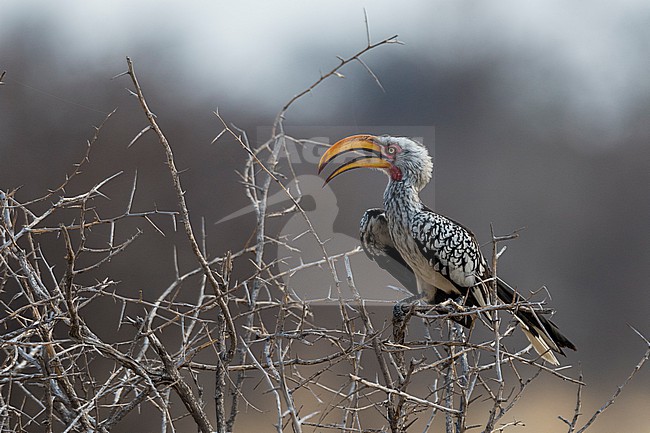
column 320, row 370
column 610, row 402
column 185, row 216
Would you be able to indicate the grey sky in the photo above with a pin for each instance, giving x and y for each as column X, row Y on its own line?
column 592, row 56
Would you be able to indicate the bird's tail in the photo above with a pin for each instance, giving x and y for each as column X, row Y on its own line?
column 543, row 334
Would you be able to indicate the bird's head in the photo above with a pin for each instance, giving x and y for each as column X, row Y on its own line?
column 402, row 159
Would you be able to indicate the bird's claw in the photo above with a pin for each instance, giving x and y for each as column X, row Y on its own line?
column 405, row 306
column 399, row 310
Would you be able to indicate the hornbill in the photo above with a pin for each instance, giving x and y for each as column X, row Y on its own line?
column 432, row 255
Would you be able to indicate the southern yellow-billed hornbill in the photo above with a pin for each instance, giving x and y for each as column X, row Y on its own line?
column 429, row 253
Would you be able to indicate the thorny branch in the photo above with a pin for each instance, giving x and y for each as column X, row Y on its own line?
column 185, row 216
column 295, row 364
column 573, row 423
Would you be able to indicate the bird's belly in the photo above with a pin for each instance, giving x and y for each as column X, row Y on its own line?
column 426, row 273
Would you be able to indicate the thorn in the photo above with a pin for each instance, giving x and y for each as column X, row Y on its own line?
column 121, row 74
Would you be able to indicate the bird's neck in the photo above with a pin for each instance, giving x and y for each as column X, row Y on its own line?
column 401, row 200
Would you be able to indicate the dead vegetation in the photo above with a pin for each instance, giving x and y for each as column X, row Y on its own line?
column 262, row 348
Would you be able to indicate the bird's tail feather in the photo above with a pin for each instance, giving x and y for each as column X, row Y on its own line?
column 542, row 333
column 540, row 345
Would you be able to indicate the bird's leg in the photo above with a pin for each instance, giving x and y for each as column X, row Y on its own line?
column 401, row 313
column 453, row 305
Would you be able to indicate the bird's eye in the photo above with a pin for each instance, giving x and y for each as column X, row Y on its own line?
column 391, row 150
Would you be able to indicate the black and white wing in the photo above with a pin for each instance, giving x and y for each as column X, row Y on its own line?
column 454, row 256
column 378, row 246
column 453, row 252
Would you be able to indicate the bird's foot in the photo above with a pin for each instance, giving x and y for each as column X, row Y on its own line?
column 451, row 308
column 399, row 311
column 453, row 305
column 405, row 306
column 402, row 311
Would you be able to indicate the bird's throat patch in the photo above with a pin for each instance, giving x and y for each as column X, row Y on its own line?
column 395, row 173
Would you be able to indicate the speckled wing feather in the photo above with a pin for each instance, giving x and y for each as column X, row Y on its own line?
column 453, row 252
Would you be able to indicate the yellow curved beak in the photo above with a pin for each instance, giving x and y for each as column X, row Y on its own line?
column 354, row 143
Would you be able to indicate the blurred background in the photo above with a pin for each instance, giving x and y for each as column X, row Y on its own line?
column 540, row 111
